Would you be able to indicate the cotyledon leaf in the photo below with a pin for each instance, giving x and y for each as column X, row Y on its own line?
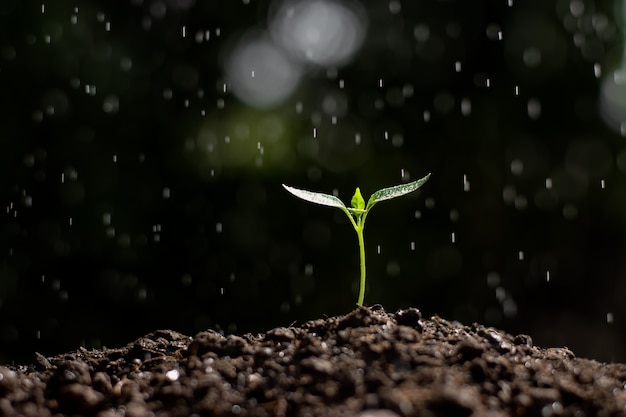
column 317, row 198
column 396, row 191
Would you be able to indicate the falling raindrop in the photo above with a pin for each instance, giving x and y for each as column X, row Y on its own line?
column 218, row 227
column 453, row 237
column 493, row 279
column 534, row 108
column 597, row 70
column 457, row 66
column 466, row 107
column 466, row 183
column 378, row 249
column 412, row 246
column 520, row 255
column 602, row 184
column 609, row 318
column 549, row 183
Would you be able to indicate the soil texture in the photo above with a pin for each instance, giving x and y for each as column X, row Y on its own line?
column 368, row 363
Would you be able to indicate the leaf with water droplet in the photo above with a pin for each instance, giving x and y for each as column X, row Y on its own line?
column 317, row 198
column 396, row 191
column 358, row 212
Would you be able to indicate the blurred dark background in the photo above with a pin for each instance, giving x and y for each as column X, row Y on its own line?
column 143, row 144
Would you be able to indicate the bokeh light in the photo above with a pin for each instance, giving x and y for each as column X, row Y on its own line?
column 322, row 32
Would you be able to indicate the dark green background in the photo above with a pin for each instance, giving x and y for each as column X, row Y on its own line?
column 115, row 223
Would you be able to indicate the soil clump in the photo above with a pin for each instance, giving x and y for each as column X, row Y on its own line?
column 368, row 363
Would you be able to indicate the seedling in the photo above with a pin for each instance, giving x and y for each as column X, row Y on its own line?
column 358, row 212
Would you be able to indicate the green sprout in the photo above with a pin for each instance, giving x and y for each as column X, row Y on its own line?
column 358, row 212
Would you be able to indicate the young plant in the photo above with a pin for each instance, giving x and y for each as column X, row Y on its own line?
column 358, row 212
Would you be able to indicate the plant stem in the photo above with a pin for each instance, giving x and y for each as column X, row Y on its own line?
column 359, row 233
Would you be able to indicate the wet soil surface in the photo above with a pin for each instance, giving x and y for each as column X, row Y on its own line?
column 367, row 363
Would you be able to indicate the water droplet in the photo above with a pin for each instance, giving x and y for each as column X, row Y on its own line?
column 466, row 107
column 393, row 268
column 493, row 279
column 602, row 184
column 378, row 249
column 418, row 214
column 516, row 90
column 466, row 183
column 534, row 108
column 597, row 70
column 457, row 66
column 357, row 138
column 111, row 104
column 308, row 270
column 609, row 318
column 549, row 183
column 172, row 375
column 218, row 227
column 500, row 294
column 412, row 245
column 395, row 7
column 426, row 116
column 520, row 255
column 166, row 193
column 314, row 132
column 570, row 211
column 453, row 237
column 547, row 276
column 517, row 167
column 380, row 83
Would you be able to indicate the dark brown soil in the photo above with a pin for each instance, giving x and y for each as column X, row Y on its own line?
column 367, row 363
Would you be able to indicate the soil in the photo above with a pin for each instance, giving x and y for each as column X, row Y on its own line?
column 367, row 363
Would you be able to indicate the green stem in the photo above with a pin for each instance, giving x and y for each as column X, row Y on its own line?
column 359, row 233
